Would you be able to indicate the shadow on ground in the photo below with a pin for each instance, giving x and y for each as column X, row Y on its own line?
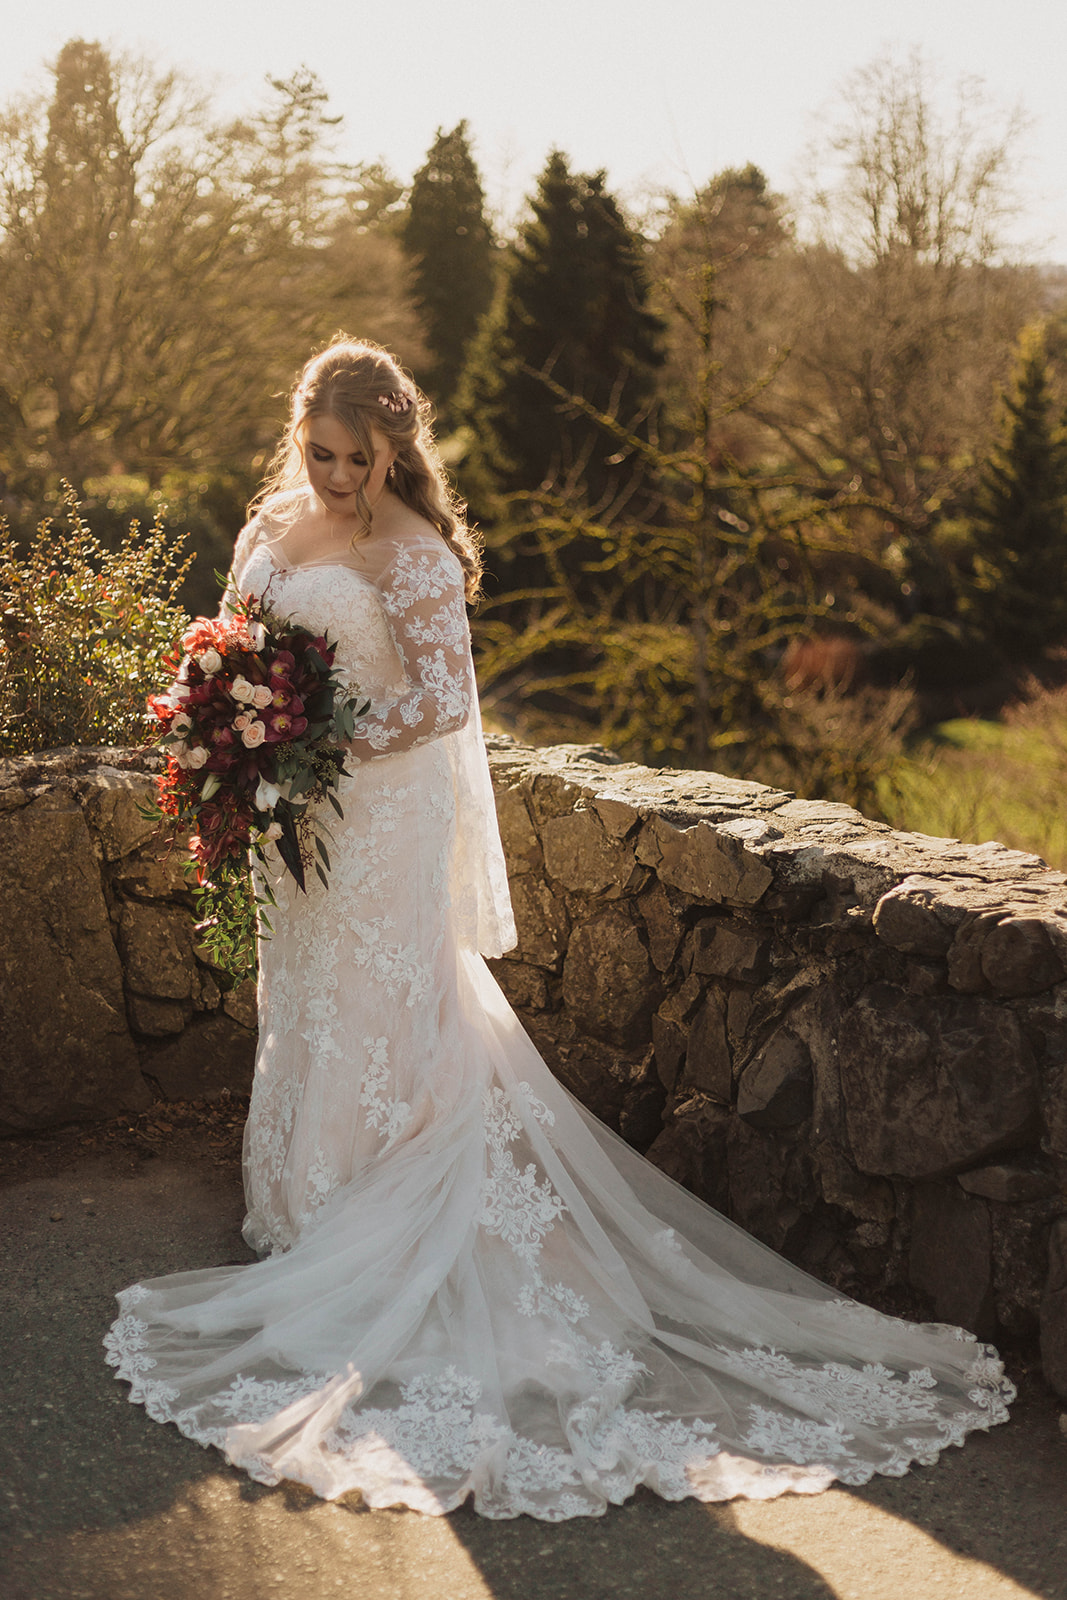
column 100, row 1502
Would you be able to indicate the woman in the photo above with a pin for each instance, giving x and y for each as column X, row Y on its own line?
column 471, row 1287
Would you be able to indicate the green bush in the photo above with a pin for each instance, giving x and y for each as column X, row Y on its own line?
column 83, row 629
column 978, row 780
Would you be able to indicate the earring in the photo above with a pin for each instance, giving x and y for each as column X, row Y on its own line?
column 390, row 476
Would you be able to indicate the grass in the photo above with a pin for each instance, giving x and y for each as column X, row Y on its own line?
column 977, row 780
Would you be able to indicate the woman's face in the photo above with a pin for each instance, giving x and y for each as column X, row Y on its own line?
column 336, row 465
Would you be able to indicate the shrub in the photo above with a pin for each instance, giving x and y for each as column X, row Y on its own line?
column 83, row 630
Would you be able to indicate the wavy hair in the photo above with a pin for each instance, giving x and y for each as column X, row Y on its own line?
column 364, row 388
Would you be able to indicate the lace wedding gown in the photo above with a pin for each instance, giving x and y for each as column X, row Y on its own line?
column 472, row 1286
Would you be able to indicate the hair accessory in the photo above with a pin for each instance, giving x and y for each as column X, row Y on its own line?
column 397, row 402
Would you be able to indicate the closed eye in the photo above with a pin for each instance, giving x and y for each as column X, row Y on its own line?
column 327, row 455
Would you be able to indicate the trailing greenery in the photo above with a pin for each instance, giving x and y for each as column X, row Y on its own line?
column 84, row 631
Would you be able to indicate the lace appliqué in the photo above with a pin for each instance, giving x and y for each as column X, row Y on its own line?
column 387, row 1117
column 514, row 1205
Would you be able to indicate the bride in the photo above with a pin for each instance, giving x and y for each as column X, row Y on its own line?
column 469, row 1286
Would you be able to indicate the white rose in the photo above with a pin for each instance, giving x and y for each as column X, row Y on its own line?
column 209, row 662
column 181, row 723
column 254, row 734
column 261, row 697
column 195, row 758
column 242, row 690
column 178, row 694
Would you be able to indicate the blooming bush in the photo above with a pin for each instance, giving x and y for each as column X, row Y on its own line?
column 82, row 631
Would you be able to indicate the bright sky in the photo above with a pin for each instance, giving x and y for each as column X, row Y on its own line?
column 660, row 92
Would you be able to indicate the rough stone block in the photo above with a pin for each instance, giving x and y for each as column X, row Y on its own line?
column 156, row 942
column 1054, row 1311
column 580, row 857
column 154, row 873
column 908, row 919
column 965, row 955
column 933, row 1085
column 739, row 1007
column 669, row 1045
column 703, row 861
column 240, row 1002
column 1010, row 1182
column 770, row 1185
column 724, row 951
column 610, row 986
column 641, row 1116
column 525, row 987
column 662, row 926
column 708, row 1064
column 155, row 1018
column 210, row 1055
column 692, row 1150
column 682, row 1002
column 1018, row 957
column 541, row 922
column 851, row 1191
column 951, row 1256
column 619, row 818
column 1020, row 1261
column 522, row 848
column 110, row 799
column 67, row 1054
column 775, row 1090
column 598, row 1074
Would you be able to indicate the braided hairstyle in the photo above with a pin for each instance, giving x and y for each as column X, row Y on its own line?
column 362, row 385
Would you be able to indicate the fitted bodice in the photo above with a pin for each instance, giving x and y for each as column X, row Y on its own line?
column 339, row 602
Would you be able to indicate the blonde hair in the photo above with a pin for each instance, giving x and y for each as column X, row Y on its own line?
column 363, row 387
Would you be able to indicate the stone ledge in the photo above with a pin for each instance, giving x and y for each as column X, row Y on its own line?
column 852, row 1040
column 858, row 1036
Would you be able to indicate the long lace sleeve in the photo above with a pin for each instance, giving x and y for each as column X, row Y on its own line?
column 422, row 593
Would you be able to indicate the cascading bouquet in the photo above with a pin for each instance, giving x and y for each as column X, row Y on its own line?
column 251, row 732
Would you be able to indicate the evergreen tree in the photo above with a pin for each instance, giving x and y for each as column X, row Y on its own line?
column 1019, row 525
column 447, row 238
column 573, row 307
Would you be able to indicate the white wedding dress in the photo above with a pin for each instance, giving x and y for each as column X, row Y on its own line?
column 473, row 1288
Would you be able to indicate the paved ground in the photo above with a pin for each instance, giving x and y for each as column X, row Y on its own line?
column 97, row 1501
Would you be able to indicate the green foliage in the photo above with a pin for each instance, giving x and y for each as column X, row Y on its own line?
column 230, row 916
column 660, row 621
column 447, row 238
column 574, row 304
column 162, row 277
column 978, row 780
column 1019, row 522
column 84, row 630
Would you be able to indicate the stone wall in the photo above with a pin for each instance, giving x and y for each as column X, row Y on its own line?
column 104, row 1003
column 852, row 1041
